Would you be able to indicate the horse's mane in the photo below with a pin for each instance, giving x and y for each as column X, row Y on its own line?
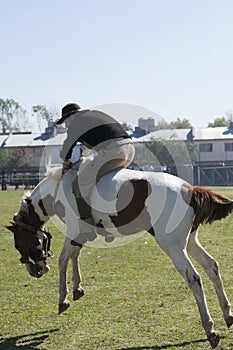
column 55, row 172
column 24, row 205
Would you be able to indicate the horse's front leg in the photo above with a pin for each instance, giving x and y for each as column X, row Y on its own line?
column 63, row 287
column 78, row 291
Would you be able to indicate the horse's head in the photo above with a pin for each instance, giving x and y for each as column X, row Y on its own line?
column 33, row 245
column 31, row 240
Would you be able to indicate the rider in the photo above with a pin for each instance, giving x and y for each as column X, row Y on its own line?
column 110, row 148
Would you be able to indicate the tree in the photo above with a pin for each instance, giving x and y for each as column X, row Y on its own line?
column 12, row 116
column 221, row 121
column 168, row 152
column 127, row 127
column 163, row 125
column 43, row 115
column 178, row 124
column 181, row 124
column 12, row 158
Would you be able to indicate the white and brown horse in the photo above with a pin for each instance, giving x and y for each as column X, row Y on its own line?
column 123, row 203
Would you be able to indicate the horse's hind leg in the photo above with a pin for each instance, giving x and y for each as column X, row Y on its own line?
column 63, row 287
column 69, row 251
column 183, row 264
column 78, row 291
column 210, row 266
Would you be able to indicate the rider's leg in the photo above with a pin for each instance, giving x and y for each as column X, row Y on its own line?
column 97, row 164
column 94, row 166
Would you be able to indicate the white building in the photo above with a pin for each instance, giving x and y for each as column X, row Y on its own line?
column 34, row 150
column 209, row 144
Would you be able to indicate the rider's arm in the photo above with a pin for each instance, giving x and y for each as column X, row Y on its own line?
column 68, row 145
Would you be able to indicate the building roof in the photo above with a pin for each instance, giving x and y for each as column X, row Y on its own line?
column 45, row 139
column 2, row 140
column 56, row 140
column 19, row 140
column 171, row 134
column 195, row 134
column 32, row 140
column 213, row 133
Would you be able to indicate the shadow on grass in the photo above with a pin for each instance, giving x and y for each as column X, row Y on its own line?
column 168, row 346
column 26, row 341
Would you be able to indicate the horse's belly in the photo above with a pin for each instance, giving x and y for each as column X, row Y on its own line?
column 119, row 207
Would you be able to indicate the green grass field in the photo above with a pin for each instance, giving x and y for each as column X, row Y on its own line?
column 134, row 298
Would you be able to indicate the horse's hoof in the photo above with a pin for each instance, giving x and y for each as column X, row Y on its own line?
column 214, row 339
column 78, row 293
column 63, row 307
column 229, row 321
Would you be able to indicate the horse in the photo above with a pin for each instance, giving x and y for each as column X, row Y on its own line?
column 125, row 202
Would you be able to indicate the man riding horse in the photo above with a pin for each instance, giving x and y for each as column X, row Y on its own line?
column 109, row 145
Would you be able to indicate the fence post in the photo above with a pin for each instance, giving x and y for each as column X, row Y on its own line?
column 3, row 182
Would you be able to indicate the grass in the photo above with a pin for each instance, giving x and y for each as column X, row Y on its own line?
column 134, row 298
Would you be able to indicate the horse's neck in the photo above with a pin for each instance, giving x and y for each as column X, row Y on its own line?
column 43, row 197
column 52, row 190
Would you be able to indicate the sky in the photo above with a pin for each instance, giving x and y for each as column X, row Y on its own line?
column 172, row 57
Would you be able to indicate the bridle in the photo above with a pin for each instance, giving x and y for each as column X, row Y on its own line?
column 46, row 251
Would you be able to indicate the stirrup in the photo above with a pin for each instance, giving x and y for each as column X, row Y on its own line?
column 76, row 164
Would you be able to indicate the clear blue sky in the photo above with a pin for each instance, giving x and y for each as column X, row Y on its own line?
column 174, row 57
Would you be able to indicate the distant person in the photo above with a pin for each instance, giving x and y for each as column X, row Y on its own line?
column 164, row 168
column 109, row 145
column 148, row 167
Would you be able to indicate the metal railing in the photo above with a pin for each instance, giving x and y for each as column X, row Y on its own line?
column 213, row 176
column 18, row 179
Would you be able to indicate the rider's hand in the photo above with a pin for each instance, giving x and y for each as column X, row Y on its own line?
column 66, row 166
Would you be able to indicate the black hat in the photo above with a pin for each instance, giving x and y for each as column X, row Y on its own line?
column 67, row 111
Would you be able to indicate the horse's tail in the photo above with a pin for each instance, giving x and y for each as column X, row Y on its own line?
column 208, row 206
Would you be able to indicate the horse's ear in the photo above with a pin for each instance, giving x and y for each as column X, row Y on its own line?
column 10, row 227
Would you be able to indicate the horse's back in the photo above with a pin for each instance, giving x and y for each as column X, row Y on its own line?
column 129, row 192
column 115, row 179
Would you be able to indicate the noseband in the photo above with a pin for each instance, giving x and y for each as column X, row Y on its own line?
column 46, row 251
